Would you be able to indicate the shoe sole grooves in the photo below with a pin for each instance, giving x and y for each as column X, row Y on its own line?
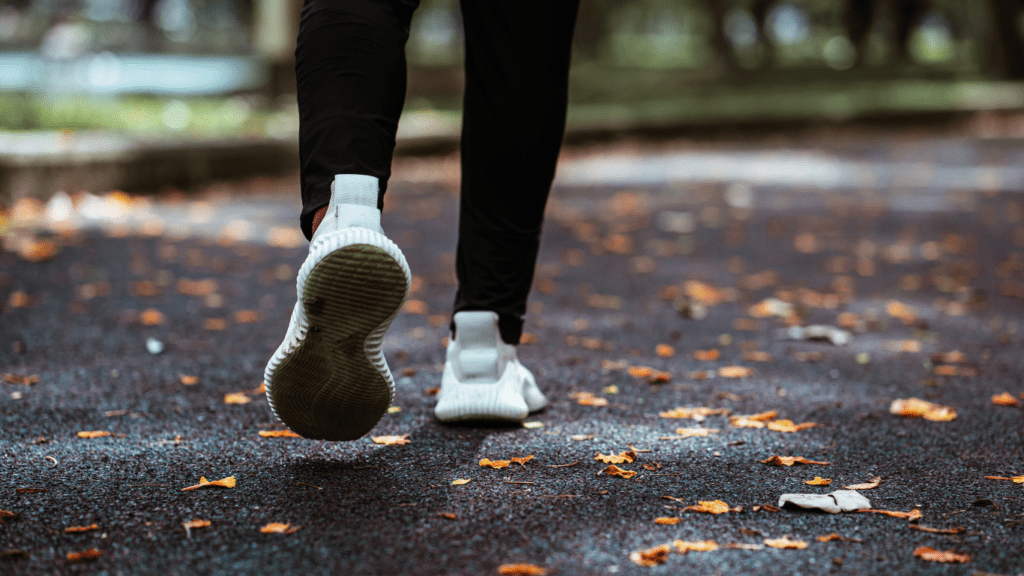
column 328, row 389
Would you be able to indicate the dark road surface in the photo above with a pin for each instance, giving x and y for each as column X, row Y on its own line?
column 613, row 270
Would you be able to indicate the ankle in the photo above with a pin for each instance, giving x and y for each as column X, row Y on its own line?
column 318, row 217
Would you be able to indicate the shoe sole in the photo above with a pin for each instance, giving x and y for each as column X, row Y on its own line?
column 336, row 384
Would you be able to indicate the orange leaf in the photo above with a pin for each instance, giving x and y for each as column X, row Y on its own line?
column 664, row 350
column 697, row 414
column 790, row 460
column 236, row 398
column 785, row 542
column 757, row 356
column 19, row 379
column 522, row 460
column 228, row 482
column 651, row 556
column 460, row 481
column 917, row 408
column 689, row 432
column 261, row 389
column 788, row 426
column 278, row 528
column 683, row 546
column 496, row 464
column 448, row 515
column 151, row 317
column 193, row 524
column 589, row 399
column 875, row 481
column 833, row 537
column 6, row 515
column 640, row 371
column 760, row 417
column 948, row 556
column 247, row 316
column 627, row 457
column 1017, row 479
column 957, row 530
column 279, row 434
column 77, row 529
column 955, row 371
column 735, row 371
column 914, row 514
column 190, row 380
column 667, row 521
column 521, row 570
column 1005, row 399
column 706, row 355
column 710, row 507
column 94, row 434
column 85, row 555
column 391, row 440
column 819, row 481
column 613, row 470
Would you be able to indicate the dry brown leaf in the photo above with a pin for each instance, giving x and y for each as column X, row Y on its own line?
column 917, row 408
column 947, row 370
column 760, row 417
column 521, row 570
column 753, row 420
column 836, row 537
column 664, row 350
column 1017, row 479
column 735, row 371
column 745, row 546
column 667, row 521
column 757, row 356
column 19, row 379
column 875, row 481
column 247, row 316
column 613, row 470
column 261, row 389
column 496, row 464
column 953, row 357
column 789, row 426
column 522, row 460
column 947, row 556
column 626, row 456
column 236, row 398
column 190, row 380
column 651, row 556
column 640, row 371
column 197, row 287
column 151, row 317
column 697, row 414
column 711, row 507
column 957, row 530
column 391, row 440
column 790, row 460
column 683, row 546
column 589, row 399
column 7, row 516
column 279, row 434
column 1005, row 399
column 94, row 434
column 460, row 481
column 78, row 529
column 819, row 481
column 706, row 355
column 228, row 482
column 193, row 524
column 689, row 432
column 448, row 515
column 215, row 324
column 415, row 307
column 659, row 377
column 903, row 312
column 914, row 514
column 84, row 556
column 278, row 528
column 785, row 542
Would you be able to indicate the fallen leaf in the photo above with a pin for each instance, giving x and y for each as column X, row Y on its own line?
column 947, row 556
column 875, row 481
column 190, row 380
column 193, row 524
column 957, row 530
column 522, row 460
column 706, row 355
column 151, row 317
column 448, row 515
column 533, row 425
column 745, row 546
column 521, row 570
column 914, row 514
column 460, row 481
column 236, row 398
column 228, row 482
column 581, row 437
column 683, row 546
column 953, row 357
column 627, row 457
column 753, row 420
column 589, row 399
column 279, row 434
column 667, row 521
column 836, row 537
column 664, row 350
column 711, row 507
column 613, row 470
column 278, row 528
column 247, row 316
column 697, row 414
column 757, row 356
column 19, row 379
column 640, row 371
column 790, row 460
column 13, row 553
column 496, row 464
column 903, row 312
column 215, row 324
column 789, row 426
column 1005, row 399
column 735, row 371
column 29, row 490
column 78, row 529
column 1017, row 479
column 651, row 556
column 785, row 542
column 689, row 432
column 391, row 440
column 8, row 516
column 917, row 408
column 85, row 555
column 819, row 481
column 946, row 370
column 94, row 434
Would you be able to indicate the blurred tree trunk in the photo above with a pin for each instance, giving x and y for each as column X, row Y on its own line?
column 858, row 17
column 1006, row 46
column 275, row 29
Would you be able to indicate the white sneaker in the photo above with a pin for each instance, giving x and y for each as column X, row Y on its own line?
column 483, row 379
column 328, row 380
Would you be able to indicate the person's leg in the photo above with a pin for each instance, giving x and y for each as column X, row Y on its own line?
column 350, row 78
column 517, row 69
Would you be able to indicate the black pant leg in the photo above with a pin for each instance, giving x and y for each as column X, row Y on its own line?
column 517, row 68
column 351, row 79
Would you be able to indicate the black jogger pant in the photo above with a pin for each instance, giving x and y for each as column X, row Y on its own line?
column 351, row 75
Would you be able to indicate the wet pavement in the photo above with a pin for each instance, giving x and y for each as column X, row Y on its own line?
column 913, row 245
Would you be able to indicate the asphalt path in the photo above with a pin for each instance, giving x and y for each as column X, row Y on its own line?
column 915, row 285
